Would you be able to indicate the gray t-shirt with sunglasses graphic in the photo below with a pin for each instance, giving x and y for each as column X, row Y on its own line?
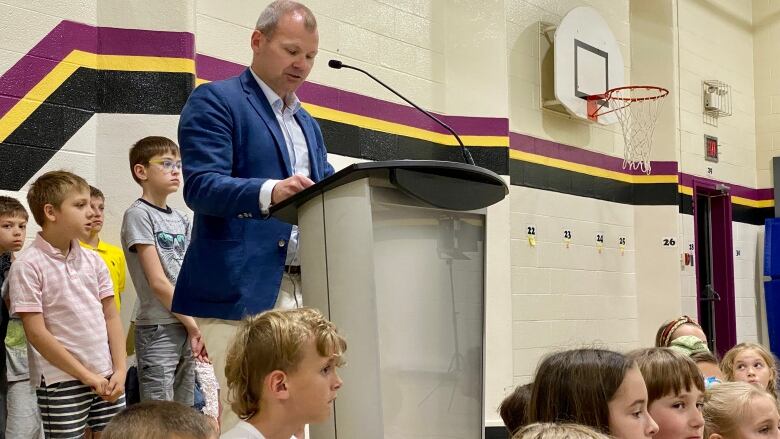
column 169, row 231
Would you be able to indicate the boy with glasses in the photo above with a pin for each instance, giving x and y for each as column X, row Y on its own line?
column 154, row 239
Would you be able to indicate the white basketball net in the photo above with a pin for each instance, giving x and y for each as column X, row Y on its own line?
column 637, row 110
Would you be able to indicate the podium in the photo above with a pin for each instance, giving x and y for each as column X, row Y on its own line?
column 393, row 253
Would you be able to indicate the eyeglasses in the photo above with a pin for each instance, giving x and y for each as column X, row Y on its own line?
column 167, row 165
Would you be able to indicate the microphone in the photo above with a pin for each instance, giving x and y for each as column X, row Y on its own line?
column 336, row 64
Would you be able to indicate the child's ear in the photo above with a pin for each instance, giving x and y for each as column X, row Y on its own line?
column 715, row 436
column 276, row 385
column 48, row 212
column 140, row 171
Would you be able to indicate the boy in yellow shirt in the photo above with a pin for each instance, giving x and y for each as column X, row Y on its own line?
column 111, row 254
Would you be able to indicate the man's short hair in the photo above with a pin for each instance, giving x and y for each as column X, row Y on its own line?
column 274, row 340
column 274, row 12
column 148, row 147
column 52, row 188
column 11, row 207
column 159, row 420
column 96, row 193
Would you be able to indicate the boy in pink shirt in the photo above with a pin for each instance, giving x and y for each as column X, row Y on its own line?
column 64, row 296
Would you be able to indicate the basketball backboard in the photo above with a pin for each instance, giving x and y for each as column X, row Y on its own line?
column 587, row 61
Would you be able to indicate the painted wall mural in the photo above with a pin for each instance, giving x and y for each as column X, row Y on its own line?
column 78, row 70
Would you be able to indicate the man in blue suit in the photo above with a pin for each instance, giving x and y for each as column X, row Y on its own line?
column 247, row 144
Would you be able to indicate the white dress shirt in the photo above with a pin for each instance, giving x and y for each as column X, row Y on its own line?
column 297, row 149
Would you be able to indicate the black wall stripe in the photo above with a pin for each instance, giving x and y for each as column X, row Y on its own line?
column 353, row 141
column 496, row 433
column 574, row 183
column 84, row 93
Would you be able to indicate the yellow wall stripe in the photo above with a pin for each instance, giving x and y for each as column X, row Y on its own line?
column 591, row 170
column 76, row 59
column 403, row 130
column 752, row 203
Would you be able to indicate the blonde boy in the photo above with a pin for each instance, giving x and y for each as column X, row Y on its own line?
column 281, row 372
column 111, row 254
column 154, row 239
column 64, row 296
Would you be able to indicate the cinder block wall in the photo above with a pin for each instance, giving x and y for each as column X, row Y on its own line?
column 476, row 63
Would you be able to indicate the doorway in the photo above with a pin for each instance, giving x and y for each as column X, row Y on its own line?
column 715, row 264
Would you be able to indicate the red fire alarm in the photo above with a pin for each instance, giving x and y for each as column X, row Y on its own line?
column 710, row 148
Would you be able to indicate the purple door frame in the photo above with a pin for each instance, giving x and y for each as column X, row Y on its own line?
column 722, row 262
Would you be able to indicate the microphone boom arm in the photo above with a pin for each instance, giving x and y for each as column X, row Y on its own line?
column 466, row 154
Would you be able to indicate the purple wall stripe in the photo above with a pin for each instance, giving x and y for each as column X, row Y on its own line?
column 547, row 148
column 68, row 36
column 765, row 194
column 354, row 103
column 735, row 189
column 213, row 69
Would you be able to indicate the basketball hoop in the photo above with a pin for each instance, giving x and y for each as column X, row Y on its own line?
column 637, row 108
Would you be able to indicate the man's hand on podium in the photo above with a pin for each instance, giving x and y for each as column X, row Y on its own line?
column 289, row 187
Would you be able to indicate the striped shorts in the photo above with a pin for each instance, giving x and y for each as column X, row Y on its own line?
column 67, row 408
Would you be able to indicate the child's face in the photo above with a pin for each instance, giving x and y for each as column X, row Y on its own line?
column 313, row 386
column 164, row 173
column 12, row 232
column 760, row 421
column 628, row 416
column 679, row 416
column 73, row 218
column 98, row 206
column 750, row 367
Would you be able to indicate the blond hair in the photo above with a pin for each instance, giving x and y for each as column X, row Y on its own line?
column 52, row 188
column 159, row 420
column 274, row 340
column 549, row 430
column 666, row 372
column 727, row 363
column 726, row 404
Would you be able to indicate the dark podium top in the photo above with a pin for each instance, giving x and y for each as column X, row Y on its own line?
column 446, row 185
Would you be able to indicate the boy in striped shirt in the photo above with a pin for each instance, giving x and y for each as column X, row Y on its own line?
column 64, row 296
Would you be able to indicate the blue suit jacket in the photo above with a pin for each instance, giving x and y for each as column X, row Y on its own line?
column 230, row 144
